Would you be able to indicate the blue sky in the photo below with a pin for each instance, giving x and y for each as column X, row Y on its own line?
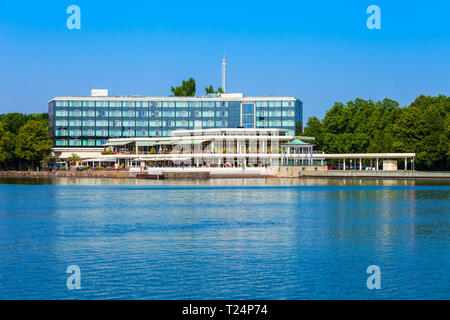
column 318, row 51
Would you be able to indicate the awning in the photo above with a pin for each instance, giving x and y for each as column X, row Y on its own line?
column 145, row 143
column 99, row 160
column 166, row 142
column 116, row 143
column 195, row 141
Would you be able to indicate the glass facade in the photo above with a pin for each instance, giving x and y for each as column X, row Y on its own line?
column 90, row 122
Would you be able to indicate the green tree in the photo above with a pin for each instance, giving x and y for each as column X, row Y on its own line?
column 33, row 142
column 210, row 89
column 73, row 159
column 46, row 161
column 423, row 128
column 314, row 129
column 187, row 89
column 6, row 146
column 13, row 121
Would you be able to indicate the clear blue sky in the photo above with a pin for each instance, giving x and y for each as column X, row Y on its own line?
column 318, row 51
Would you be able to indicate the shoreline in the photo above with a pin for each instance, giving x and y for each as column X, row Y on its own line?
column 205, row 175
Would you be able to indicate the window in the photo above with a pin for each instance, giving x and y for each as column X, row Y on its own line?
column 182, row 114
column 61, row 113
column 61, row 123
column 208, row 113
column 74, row 142
column 288, row 123
column 182, row 123
column 181, row 104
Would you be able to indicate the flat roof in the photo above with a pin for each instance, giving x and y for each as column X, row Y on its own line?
column 132, row 98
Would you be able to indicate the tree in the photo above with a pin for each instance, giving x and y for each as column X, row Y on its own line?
column 74, row 158
column 6, row 145
column 45, row 163
column 423, row 128
column 187, row 89
column 13, row 121
column 210, row 89
column 33, row 142
column 314, row 129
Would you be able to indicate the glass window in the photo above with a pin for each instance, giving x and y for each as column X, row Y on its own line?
column 181, row 104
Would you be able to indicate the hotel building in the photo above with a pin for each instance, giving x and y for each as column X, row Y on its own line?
column 88, row 122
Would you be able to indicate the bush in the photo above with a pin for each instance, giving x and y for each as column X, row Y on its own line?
column 109, row 151
column 63, row 168
column 98, row 167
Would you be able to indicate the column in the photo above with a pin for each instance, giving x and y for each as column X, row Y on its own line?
column 406, row 164
column 344, row 163
column 376, row 168
column 360, row 164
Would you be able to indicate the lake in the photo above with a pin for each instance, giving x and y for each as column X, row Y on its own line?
column 224, row 239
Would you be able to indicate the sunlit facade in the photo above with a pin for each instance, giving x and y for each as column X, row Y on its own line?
column 91, row 121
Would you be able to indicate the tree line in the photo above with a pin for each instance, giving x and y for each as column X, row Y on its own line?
column 361, row 126
column 24, row 140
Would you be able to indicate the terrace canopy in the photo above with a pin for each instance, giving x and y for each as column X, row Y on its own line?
column 297, row 151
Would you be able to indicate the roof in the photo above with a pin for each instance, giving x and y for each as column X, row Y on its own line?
column 145, row 143
column 134, row 98
column 117, row 143
column 296, row 142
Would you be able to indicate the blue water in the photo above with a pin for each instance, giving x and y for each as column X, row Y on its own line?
column 224, row 239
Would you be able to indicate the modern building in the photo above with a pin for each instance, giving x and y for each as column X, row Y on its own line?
column 88, row 122
column 212, row 147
